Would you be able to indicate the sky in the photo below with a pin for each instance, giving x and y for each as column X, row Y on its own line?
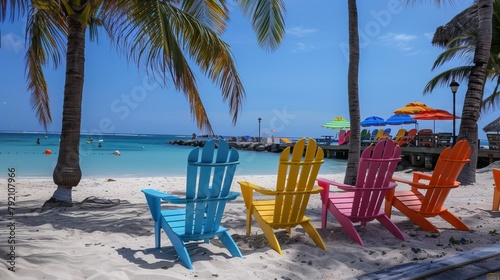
column 294, row 89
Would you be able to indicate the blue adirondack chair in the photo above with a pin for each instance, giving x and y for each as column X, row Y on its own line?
column 210, row 173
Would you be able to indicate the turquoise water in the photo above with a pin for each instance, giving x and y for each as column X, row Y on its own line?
column 141, row 156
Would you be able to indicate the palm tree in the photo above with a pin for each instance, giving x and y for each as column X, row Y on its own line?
column 477, row 75
column 157, row 33
column 459, row 37
column 353, row 96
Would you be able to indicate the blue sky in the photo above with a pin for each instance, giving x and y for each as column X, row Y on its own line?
column 294, row 89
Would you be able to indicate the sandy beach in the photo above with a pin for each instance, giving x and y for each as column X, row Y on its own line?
column 108, row 234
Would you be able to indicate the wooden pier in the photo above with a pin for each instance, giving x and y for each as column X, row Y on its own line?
column 421, row 157
column 416, row 156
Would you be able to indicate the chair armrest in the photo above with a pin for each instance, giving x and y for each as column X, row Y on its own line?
column 323, row 182
column 164, row 196
column 417, row 176
column 257, row 188
column 157, row 194
column 177, row 200
column 424, row 186
column 247, row 190
column 395, row 179
column 348, row 188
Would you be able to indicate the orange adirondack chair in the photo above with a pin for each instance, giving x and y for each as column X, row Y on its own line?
column 294, row 185
column 496, row 191
column 419, row 206
column 409, row 139
column 362, row 203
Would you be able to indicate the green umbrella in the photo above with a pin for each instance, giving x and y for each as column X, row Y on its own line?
column 337, row 123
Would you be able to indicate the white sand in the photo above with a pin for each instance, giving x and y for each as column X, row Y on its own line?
column 84, row 242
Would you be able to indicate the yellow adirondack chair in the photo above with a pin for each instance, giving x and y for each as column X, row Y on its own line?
column 295, row 183
column 399, row 136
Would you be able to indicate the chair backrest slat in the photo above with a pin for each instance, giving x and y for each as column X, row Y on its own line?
column 376, row 167
column 296, row 175
column 210, row 173
column 449, row 165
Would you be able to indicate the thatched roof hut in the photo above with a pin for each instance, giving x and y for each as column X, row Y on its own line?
column 493, row 126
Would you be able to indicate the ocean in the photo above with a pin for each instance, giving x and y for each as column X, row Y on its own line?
column 141, row 155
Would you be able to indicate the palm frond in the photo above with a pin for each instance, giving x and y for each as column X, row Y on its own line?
column 46, row 33
column 159, row 34
column 491, row 102
column 16, row 9
column 212, row 13
column 463, row 52
column 267, row 20
column 443, row 79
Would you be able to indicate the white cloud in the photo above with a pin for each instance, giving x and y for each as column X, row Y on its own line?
column 13, row 42
column 393, row 37
column 302, row 47
column 300, row 31
column 402, row 42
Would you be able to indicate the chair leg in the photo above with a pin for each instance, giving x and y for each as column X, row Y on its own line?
column 496, row 200
column 231, row 246
column 157, row 235
column 179, row 247
column 324, row 215
column 249, row 221
column 389, row 198
column 454, row 221
column 346, row 223
column 415, row 217
column 391, row 227
column 268, row 232
column 313, row 233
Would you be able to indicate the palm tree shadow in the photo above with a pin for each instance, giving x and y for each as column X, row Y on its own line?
column 90, row 215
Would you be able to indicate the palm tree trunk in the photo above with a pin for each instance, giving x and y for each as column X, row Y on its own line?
column 352, row 89
column 67, row 173
column 474, row 95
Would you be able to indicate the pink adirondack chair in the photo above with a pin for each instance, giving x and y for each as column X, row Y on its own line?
column 345, row 139
column 342, row 135
column 362, row 203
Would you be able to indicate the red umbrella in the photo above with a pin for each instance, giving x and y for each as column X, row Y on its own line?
column 433, row 115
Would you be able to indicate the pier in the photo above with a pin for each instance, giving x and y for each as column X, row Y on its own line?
column 422, row 157
column 417, row 156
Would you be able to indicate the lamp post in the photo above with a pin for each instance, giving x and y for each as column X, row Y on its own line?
column 259, row 119
column 454, row 87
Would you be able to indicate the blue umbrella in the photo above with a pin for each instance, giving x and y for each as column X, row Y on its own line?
column 373, row 121
column 400, row 119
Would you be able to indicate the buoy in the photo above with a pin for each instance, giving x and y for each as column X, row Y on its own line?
column 48, row 152
column 116, row 153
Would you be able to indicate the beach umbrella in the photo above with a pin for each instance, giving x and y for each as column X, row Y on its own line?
column 337, row 123
column 434, row 114
column 412, row 108
column 493, row 126
column 373, row 121
column 398, row 119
